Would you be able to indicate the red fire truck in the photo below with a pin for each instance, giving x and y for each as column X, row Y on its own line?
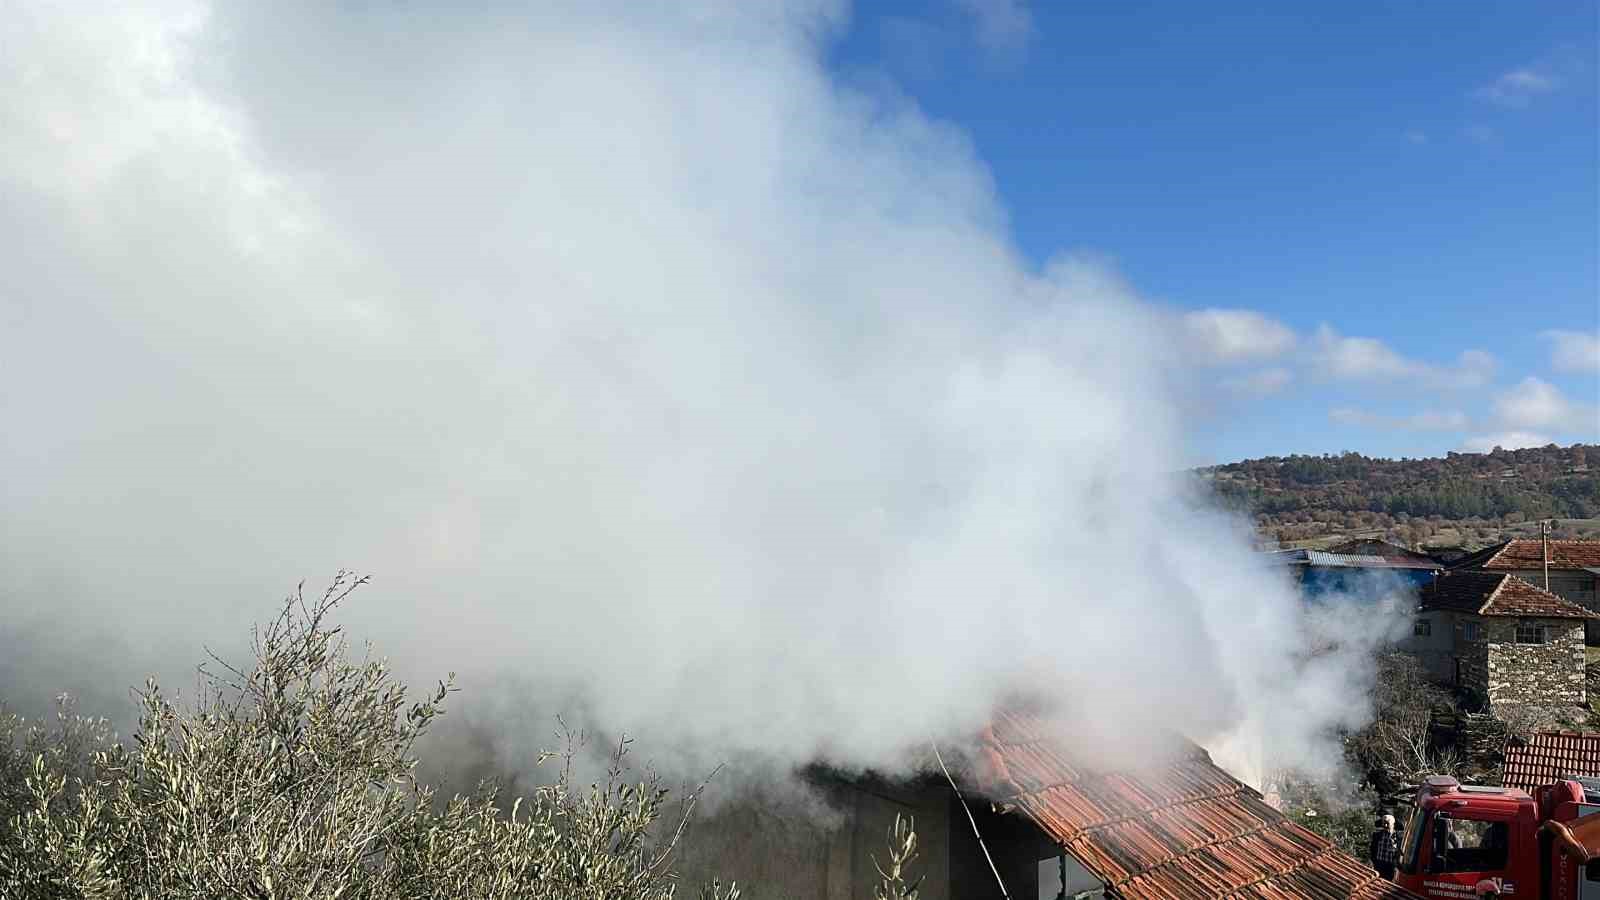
column 1464, row 841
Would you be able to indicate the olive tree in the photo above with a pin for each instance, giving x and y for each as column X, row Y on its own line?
column 294, row 777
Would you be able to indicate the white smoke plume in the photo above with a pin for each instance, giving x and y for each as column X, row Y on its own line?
column 648, row 366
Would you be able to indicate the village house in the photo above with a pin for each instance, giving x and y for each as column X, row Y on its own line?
column 1179, row 827
column 1573, row 567
column 1508, row 643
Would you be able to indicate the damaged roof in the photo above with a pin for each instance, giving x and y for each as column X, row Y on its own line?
column 1381, row 548
column 1497, row 594
column 1183, row 830
column 1539, row 758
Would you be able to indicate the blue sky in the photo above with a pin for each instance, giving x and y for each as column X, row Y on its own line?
column 1419, row 176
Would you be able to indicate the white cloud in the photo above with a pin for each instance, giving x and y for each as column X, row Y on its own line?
column 1574, row 351
column 1532, row 413
column 1506, row 440
column 1417, row 136
column 1518, row 87
column 1354, row 357
column 1427, row 420
column 1260, row 384
column 1004, row 26
column 1534, row 403
column 1344, row 358
column 1225, row 336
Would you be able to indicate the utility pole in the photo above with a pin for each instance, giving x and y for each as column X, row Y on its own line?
column 1544, row 540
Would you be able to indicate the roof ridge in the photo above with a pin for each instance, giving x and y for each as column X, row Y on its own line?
column 1565, row 540
column 1489, row 600
column 1504, row 546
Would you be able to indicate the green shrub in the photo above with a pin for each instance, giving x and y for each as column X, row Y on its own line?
column 295, row 778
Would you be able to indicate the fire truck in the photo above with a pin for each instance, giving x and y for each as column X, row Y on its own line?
column 1465, row 841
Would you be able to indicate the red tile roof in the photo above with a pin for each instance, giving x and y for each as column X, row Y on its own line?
column 1528, row 553
column 1497, row 594
column 1543, row 756
column 1182, row 830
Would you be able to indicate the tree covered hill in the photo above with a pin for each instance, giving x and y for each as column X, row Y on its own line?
column 1461, row 499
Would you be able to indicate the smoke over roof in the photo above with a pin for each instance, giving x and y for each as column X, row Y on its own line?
column 649, row 366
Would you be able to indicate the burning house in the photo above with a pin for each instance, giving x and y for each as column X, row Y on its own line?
column 1171, row 825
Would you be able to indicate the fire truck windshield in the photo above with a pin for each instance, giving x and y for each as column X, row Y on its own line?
column 1411, row 839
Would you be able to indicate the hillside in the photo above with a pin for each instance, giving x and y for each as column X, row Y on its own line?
column 1460, row 500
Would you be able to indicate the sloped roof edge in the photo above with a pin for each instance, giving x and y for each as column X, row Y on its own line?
column 1181, row 829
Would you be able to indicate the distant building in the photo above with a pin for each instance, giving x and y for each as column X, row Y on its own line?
column 1509, row 643
column 1321, row 572
column 1574, row 567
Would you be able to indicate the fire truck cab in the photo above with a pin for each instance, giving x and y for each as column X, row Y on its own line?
column 1464, row 841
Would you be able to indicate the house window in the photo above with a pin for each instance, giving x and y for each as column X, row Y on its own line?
column 1530, row 633
column 1421, row 628
column 1469, row 631
column 1063, row 876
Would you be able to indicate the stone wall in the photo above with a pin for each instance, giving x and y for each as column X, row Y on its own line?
column 1536, row 675
column 1478, row 740
column 1474, row 655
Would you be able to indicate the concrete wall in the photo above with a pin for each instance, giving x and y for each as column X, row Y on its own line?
column 1541, row 675
column 782, row 850
column 1438, row 649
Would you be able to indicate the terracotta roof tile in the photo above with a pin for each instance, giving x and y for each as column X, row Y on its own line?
column 1519, row 598
column 1543, row 756
column 1497, row 594
column 1528, row 553
column 1183, row 829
